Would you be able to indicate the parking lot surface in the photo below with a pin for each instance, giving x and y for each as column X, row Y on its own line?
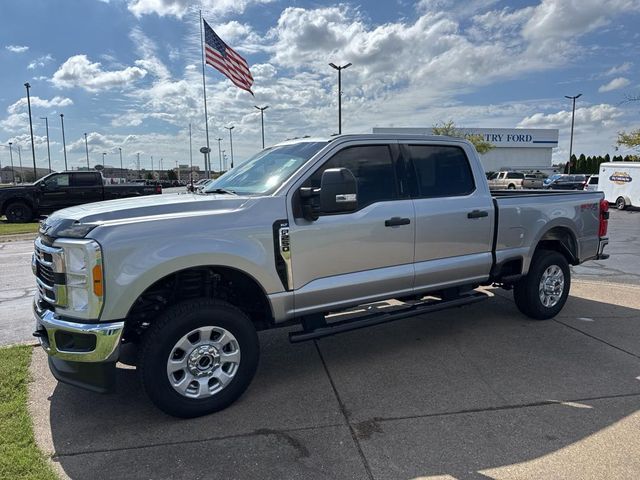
column 472, row 393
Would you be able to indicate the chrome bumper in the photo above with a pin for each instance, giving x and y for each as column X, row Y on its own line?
column 50, row 328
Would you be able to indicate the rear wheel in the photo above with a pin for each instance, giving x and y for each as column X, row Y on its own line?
column 511, row 186
column 542, row 293
column 18, row 212
column 198, row 357
column 621, row 204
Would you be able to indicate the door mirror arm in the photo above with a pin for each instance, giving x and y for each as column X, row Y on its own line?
column 310, row 199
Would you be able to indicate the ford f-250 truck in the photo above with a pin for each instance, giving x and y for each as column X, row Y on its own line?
column 58, row 190
column 179, row 285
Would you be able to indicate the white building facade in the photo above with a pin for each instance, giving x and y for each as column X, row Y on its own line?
column 526, row 149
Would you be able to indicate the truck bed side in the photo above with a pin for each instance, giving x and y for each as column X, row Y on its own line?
column 525, row 218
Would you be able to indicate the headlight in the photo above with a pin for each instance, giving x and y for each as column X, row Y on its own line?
column 84, row 279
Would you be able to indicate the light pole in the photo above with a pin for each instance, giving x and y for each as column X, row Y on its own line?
column 190, row 159
column 224, row 158
column 103, row 155
column 262, row 109
column 13, row 172
column 20, row 162
column 339, row 68
column 121, row 168
column 64, row 143
column 231, row 142
column 33, row 147
column 86, row 148
column 46, row 122
column 152, row 175
column 220, row 154
column 573, row 116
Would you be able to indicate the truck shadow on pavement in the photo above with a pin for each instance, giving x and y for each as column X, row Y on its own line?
column 471, row 393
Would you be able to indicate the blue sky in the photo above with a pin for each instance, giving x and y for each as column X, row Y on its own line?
column 128, row 72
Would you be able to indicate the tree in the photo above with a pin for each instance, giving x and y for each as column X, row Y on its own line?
column 171, row 175
column 630, row 139
column 582, row 161
column 449, row 129
column 148, row 176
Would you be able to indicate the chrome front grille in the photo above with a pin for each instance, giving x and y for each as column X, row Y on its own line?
column 48, row 267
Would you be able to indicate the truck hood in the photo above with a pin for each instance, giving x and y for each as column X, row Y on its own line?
column 145, row 208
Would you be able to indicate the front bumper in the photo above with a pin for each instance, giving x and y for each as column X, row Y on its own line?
column 81, row 354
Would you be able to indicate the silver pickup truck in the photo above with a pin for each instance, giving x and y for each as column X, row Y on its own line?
column 178, row 285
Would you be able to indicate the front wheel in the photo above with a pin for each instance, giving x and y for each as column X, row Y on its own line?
column 18, row 212
column 542, row 293
column 198, row 357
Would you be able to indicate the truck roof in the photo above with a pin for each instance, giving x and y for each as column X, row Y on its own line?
column 374, row 136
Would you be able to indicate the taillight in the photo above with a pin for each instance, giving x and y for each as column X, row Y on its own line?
column 604, row 218
column 158, row 188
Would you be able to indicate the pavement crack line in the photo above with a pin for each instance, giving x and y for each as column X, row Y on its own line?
column 542, row 403
column 259, row 432
column 343, row 410
column 597, row 339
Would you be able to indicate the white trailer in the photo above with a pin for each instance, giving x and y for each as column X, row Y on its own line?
column 620, row 182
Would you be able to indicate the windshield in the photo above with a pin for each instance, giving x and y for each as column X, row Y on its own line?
column 263, row 173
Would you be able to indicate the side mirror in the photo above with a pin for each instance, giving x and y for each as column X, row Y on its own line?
column 338, row 191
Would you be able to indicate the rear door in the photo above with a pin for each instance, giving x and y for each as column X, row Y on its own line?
column 361, row 256
column 454, row 216
column 87, row 187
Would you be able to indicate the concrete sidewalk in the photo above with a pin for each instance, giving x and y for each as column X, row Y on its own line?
column 472, row 393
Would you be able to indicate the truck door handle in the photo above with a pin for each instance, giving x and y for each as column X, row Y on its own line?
column 396, row 221
column 477, row 214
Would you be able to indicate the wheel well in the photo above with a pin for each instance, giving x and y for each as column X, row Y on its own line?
column 561, row 240
column 223, row 283
column 8, row 202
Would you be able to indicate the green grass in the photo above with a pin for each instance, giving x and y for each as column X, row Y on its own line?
column 13, row 228
column 19, row 455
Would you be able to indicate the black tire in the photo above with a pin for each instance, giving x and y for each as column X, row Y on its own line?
column 511, row 187
column 621, row 204
column 526, row 292
column 172, row 325
column 18, row 212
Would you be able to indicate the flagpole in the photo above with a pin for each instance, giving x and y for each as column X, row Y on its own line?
column 204, row 91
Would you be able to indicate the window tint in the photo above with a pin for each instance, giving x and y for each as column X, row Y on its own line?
column 441, row 171
column 515, row 175
column 61, row 180
column 84, row 179
column 593, row 181
column 373, row 168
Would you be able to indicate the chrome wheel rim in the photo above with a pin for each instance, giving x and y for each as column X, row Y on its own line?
column 203, row 362
column 551, row 286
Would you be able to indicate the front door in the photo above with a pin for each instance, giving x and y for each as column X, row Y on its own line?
column 357, row 257
column 57, row 193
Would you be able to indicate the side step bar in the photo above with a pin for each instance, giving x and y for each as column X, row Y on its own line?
column 318, row 327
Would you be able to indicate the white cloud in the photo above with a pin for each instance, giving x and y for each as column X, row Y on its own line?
column 178, row 8
column 595, row 116
column 618, row 69
column 17, row 48
column 615, row 84
column 40, row 62
column 79, row 71
column 21, row 105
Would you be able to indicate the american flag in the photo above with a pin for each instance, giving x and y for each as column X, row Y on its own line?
column 224, row 59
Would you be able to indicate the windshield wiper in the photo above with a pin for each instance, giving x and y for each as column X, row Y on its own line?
column 222, row 190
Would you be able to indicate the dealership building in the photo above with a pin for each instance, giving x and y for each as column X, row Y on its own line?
column 514, row 148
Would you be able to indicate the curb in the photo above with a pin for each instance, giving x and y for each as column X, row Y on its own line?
column 17, row 237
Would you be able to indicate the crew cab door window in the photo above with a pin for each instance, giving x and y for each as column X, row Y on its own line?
column 372, row 166
column 84, row 180
column 441, row 171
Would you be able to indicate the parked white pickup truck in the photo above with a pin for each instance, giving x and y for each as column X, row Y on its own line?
column 506, row 180
column 301, row 230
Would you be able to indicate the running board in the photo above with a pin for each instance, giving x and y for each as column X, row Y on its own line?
column 322, row 329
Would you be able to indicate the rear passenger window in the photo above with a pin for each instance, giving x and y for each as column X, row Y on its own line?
column 83, row 179
column 517, row 175
column 373, row 168
column 441, row 171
